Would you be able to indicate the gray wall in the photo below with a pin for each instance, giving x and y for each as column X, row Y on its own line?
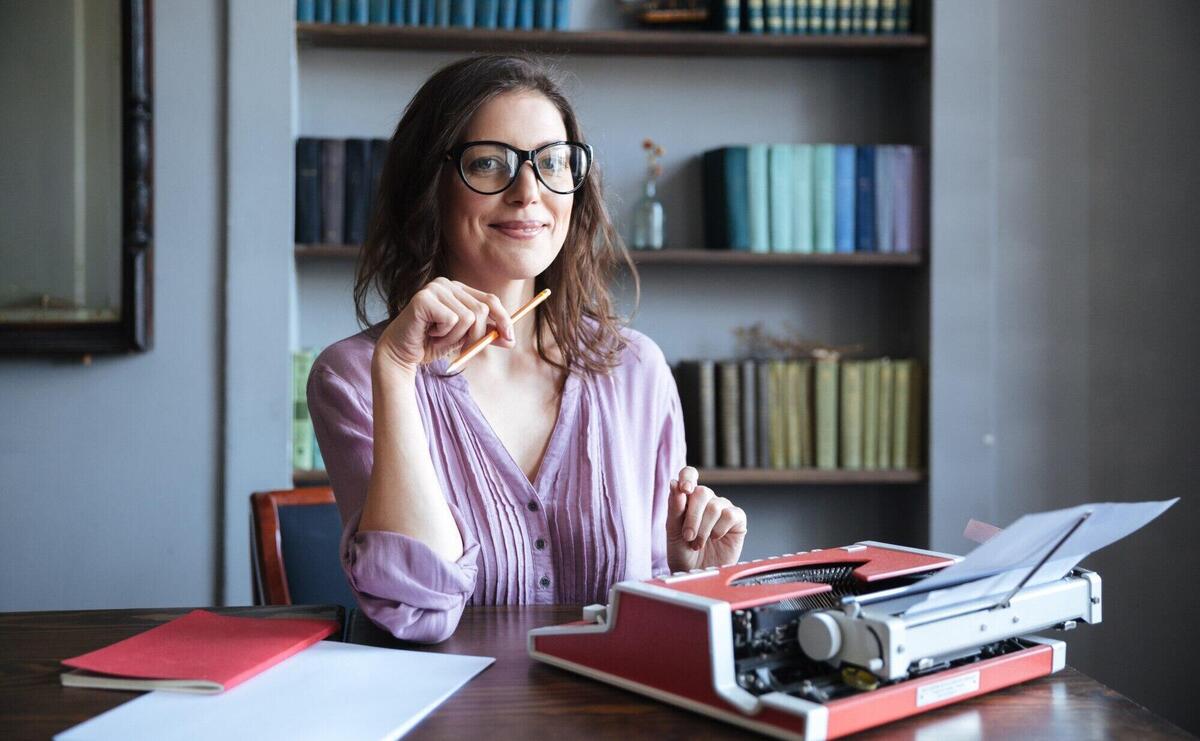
column 1064, row 299
column 108, row 473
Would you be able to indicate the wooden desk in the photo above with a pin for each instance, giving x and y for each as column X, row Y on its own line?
column 520, row 698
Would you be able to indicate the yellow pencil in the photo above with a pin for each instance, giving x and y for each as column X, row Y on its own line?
column 477, row 346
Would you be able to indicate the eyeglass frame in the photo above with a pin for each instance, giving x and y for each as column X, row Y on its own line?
column 455, row 153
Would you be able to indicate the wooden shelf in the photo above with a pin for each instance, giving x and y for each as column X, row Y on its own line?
column 742, row 477
column 631, row 42
column 686, row 257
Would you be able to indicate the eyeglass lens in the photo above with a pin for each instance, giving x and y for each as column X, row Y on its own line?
column 489, row 168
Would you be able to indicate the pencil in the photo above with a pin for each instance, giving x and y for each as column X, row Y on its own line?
column 477, row 346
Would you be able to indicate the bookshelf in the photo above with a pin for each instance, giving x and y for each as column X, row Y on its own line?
column 894, row 72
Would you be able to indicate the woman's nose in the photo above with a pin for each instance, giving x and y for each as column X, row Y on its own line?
column 525, row 188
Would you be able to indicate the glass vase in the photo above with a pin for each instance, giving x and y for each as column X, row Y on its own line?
column 648, row 220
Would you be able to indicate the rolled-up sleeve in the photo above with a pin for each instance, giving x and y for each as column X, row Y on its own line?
column 401, row 584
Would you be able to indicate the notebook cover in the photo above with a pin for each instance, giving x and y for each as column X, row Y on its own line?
column 204, row 646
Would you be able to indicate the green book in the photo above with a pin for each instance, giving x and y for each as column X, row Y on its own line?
column 302, row 433
column 823, row 197
column 729, row 415
column 870, row 436
column 901, row 409
column 885, row 412
column 759, row 186
column 778, row 441
column 795, row 437
column 780, row 197
column 802, row 198
column 826, row 403
column 852, row 415
column 802, row 392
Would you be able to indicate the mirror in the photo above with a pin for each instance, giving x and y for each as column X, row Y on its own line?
column 76, row 191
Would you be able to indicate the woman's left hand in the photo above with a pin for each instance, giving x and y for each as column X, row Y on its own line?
column 702, row 528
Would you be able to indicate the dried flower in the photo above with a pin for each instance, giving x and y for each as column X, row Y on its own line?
column 653, row 152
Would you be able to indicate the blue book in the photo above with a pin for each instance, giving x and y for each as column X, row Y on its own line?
column 341, row 11
column 441, row 13
column 525, row 14
column 726, row 199
column 428, row 12
column 487, row 13
column 306, row 11
column 379, row 12
column 884, row 198
column 844, row 184
column 802, row 16
column 324, row 11
column 864, row 199
column 507, row 14
column 758, row 187
column 398, row 12
column 462, row 13
column 780, row 197
column 789, row 16
column 562, row 15
column 830, row 20
column 733, row 16
column 360, row 12
column 816, row 16
column 774, row 14
column 543, row 14
column 754, row 16
column 845, row 13
column 824, row 197
column 902, row 199
column 803, row 237
column 412, row 12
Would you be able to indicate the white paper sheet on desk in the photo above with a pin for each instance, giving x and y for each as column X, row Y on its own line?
column 998, row 565
column 329, row 691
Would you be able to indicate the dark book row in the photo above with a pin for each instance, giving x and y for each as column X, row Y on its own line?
column 817, row 17
column 491, row 14
column 814, row 198
column 826, row 413
column 335, row 187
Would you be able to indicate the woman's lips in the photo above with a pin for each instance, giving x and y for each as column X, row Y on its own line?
column 519, row 232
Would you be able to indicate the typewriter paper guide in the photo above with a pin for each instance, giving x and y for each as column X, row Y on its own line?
column 997, row 566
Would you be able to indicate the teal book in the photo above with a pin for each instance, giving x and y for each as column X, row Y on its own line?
column 341, row 11
column 871, row 17
column 487, row 13
column 824, row 210
column 324, row 11
column 379, row 12
column 726, row 199
column 780, row 197
column 543, row 14
column 306, row 11
column 758, row 189
column 774, row 16
column 441, row 13
column 562, row 15
column 755, row 20
column 831, row 16
column 733, row 16
column 360, row 13
column 816, row 16
column 904, row 16
column 845, row 13
column 802, row 16
column 789, row 16
column 462, row 13
column 856, row 16
column 844, row 187
column 864, row 199
column 412, row 12
column 507, row 14
column 398, row 12
column 884, row 198
column 803, row 237
column 525, row 15
column 887, row 16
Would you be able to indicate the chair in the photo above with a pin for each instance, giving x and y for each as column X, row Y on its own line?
column 294, row 534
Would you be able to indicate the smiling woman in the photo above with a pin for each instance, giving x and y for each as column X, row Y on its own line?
column 553, row 465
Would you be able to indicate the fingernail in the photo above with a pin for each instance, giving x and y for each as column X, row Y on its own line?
column 689, row 486
column 688, row 533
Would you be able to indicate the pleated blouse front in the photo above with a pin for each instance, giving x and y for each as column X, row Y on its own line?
column 594, row 515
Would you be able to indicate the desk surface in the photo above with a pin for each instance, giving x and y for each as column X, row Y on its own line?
column 521, row 698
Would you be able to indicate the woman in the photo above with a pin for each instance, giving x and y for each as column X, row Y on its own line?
column 553, row 465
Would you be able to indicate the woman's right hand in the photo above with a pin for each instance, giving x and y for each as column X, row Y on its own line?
column 442, row 316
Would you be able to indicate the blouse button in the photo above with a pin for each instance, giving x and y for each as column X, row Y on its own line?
column 532, row 506
column 545, row 582
column 540, row 544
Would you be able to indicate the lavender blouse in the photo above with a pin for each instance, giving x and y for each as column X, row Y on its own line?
column 595, row 515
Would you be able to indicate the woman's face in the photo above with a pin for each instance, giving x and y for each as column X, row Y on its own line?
column 517, row 233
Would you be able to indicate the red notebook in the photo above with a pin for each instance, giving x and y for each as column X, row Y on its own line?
column 199, row 652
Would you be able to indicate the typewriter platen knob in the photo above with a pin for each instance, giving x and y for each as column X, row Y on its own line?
column 819, row 635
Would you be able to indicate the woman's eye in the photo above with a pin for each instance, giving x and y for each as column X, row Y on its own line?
column 553, row 164
column 485, row 164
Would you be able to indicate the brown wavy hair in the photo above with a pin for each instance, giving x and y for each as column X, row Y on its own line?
column 404, row 249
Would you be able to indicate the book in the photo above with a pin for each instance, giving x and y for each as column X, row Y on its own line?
column 303, row 437
column 856, row 17
column 525, row 15
column 802, row 9
column 324, row 11
column 830, row 17
column 781, row 176
column 358, row 181
column 733, row 15
column 816, row 16
column 824, row 198
column 379, row 12
column 766, row 407
column 779, row 404
column 397, row 13
column 825, row 403
column 507, row 14
column 442, row 13
column 864, row 199
column 902, row 199
column 844, row 189
column 887, row 16
column 901, row 410
column 696, row 381
column 774, row 16
column 729, row 410
column 360, row 13
column 333, row 190
column 428, row 12
column 341, row 11
column 379, row 149
column 726, row 199
column 749, row 397
column 852, row 415
column 884, row 198
column 412, row 12
column 845, row 16
column 754, row 21
column 870, row 417
column 802, row 392
column 758, row 190
column 543, row 14
column 903, row 16
column 462, row 13
column 885, row 414
column 487, row 14
column 871, row 17
column 802, row 198
column 200, row 652
column 306, row 11
column 790, row 401
column 308, row 190
column 789, row 16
